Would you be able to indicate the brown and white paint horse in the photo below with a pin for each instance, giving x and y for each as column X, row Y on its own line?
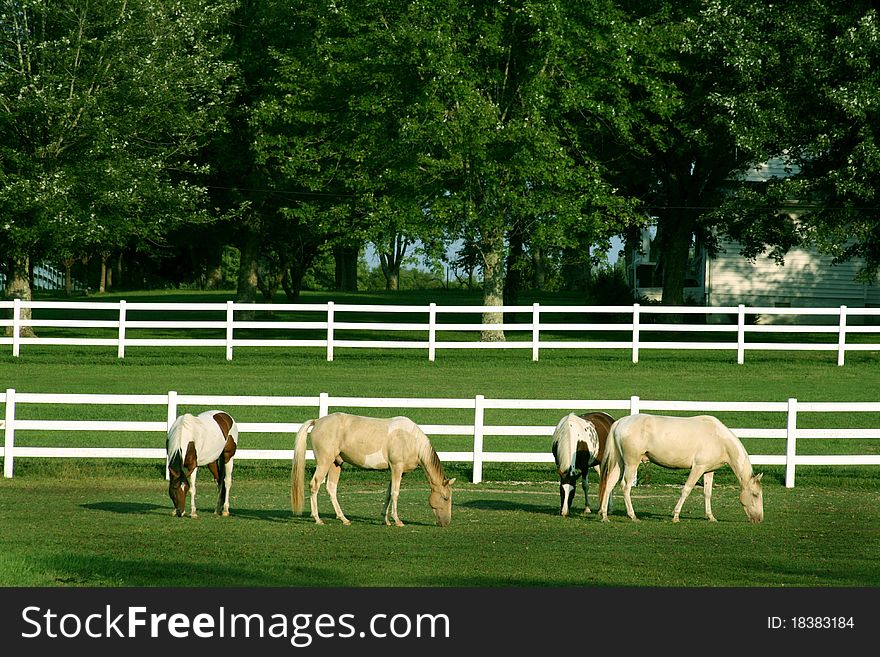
column 578, row 445
column 397, row 444
column 209, row 438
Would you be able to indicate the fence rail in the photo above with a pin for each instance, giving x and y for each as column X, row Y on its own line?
column 537, row 327
column 169, row 404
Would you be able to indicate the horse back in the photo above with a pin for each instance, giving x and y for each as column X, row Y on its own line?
column 673, row 442
column 602, row 424
column 366, row 442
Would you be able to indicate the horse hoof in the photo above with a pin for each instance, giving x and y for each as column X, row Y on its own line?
column 319, row 522
column 225, row 514
column 398, row 524
column 193, row 515
column 587, row 511
column 676, row 519
column 345, row 521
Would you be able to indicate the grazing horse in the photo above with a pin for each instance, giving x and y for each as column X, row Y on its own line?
column 209, row 438
column 397, row 444
column 701, row 443
column 578, row 445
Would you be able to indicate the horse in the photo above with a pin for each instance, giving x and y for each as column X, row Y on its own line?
column 578, row 445
column 209, row 438
column 701, row 443
column 396, row 444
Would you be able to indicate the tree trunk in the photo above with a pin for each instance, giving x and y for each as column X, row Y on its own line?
column 214, row 273
column 492, row 248
column 247, row 272
column 391, row 260
column 674, row 236
column 539, row 268
column 68, row 276
column 102, row 284
column 346, row 268
column 18, row 286
column 513, row 279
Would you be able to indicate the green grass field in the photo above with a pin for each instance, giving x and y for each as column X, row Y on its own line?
column 81, row 522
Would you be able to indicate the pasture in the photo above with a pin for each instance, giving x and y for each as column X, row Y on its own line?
column 80, row 522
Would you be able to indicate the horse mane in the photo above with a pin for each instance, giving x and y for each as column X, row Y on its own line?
column 429, row 459
column 740, row 462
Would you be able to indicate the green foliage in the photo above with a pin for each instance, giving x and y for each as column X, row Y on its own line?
column 103, row 109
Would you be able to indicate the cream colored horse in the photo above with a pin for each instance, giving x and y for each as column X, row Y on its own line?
column 396, row 444
column 701, row 443
column 209, row 438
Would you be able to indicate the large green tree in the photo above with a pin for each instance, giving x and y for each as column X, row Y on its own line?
column 712, row 97
column 103, row 106
column 520, row 93
column 837, row 141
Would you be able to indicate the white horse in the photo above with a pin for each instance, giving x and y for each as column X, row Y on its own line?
column 397, row 444
column 209, row 438
column 578, row 445
column 701, row 443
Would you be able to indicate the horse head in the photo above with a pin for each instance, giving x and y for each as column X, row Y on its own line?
column 752, row 498
column 179, row 470
column 441, row 501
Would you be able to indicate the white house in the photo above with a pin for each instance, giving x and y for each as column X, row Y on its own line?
column 806, row 279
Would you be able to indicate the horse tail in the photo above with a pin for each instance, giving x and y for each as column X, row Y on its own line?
column 298, row 467
column 180, row 435
column 610, row 465
column 563, row 453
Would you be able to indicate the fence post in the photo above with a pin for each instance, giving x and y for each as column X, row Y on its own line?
column 633, row 405
column 740, row 334
column 16, row 326
column 841, row 340
column 536, row 330
column 330, row 313
column 432, row 332
column 790, row 443
column 9, row 433
column 323, row 404
column 479, row 415
column 230, row 319
column 172, row 416
column 120, row 349
column 635, row 346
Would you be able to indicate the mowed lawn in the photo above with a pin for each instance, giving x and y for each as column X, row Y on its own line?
column 80, row 522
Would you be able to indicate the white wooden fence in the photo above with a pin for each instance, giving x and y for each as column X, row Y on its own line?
column 167, row 407
column 540, row 333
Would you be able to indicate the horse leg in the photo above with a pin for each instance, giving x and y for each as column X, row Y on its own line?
column 629, row 480
column 694, row 475
column 192, row 494
column 708, row 477
column 394, row 493
column 332, row 483
column 314, row 487
column 585, row 484
column 225, row 488
column 606, row 482
column 566, row 493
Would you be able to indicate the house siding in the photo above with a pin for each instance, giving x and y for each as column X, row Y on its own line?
column 806, row 279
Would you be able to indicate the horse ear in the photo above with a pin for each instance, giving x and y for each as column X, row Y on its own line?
column 449, row 482
column 759, row 476
column 190, row 462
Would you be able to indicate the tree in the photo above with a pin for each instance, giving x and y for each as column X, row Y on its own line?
column 711, row 97
column 515, row 114
column 837, row 143
column 103, row 106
